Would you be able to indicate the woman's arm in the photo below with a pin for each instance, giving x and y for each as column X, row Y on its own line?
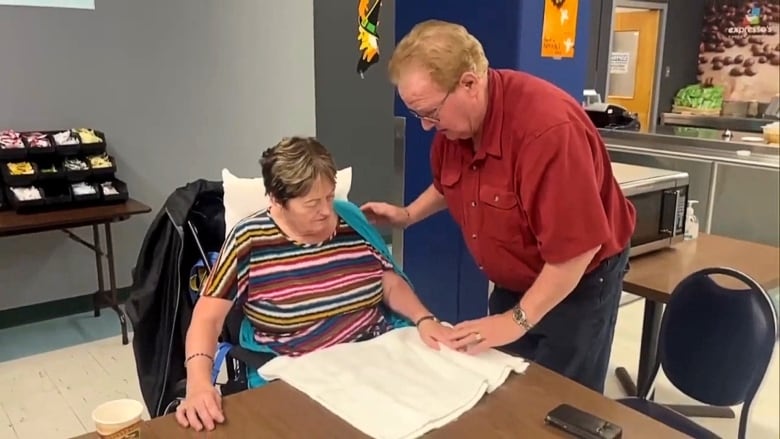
column 208, row 318
column 400, row 297
column 217, row 296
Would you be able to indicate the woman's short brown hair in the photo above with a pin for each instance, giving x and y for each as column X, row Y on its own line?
column 291, row 167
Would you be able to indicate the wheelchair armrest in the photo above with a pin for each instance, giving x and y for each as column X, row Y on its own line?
column 252, row 359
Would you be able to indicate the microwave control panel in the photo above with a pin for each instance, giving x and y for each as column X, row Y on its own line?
column 681, row 208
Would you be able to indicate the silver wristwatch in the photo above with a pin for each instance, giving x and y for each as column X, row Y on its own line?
column 520, row 318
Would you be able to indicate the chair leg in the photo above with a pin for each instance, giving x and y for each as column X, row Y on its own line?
column 702, row 411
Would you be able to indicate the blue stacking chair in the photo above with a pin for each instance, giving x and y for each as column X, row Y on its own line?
column 715, row 345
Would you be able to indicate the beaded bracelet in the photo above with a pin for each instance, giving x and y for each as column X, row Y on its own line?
column 199, row 354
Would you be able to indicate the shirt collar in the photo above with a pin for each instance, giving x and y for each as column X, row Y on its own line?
column 492, row 124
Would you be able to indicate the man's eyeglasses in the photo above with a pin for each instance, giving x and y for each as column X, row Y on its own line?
column 433, row 115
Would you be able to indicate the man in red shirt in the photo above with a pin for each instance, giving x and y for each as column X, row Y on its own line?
column 526, row 176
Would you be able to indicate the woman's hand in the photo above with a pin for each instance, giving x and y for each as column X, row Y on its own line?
column 432, row 333
column 202, row 408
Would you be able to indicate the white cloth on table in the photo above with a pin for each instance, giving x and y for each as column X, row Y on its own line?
column 394, row 386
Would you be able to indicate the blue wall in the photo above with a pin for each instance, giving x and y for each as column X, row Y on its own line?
column 435, row 256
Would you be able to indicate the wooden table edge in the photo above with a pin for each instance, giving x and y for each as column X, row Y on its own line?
column 134, row 207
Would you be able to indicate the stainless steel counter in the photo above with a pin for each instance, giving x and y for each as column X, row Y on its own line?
column 695, row 145
column 736, row 183
column 749, row 124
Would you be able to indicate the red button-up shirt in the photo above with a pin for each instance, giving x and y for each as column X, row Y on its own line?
column 540, row 187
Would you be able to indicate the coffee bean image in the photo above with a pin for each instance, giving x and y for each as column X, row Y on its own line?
column 749, row 62
column 750, row 71
column 756, row 50
column 772, row 55
column 756, row 40
column 717, row 59
column 736, row 71
column 775, row 61
column 720, row 48
column 703, row 59
column 738, row 59
column 718, row 65
column 742, row 42
column 711, row 47
column 727, row 61
column 762, row 60
column 729, row 43
column 699, row 71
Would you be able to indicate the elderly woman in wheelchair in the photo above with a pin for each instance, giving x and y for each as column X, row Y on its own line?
column 310, row 271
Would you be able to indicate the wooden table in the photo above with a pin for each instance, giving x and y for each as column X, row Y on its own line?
column 13, row 224
column 655, row 275
column 517, row 409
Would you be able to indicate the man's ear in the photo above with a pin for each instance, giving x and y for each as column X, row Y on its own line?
column 469, row 81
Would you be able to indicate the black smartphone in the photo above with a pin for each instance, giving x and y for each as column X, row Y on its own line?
column 582, row 424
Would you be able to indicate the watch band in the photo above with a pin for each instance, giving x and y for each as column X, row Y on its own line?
column 520, row 318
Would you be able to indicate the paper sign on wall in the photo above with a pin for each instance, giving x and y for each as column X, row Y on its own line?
column 559, row 28
column 71, row 4
column 368, row 23
column 618, row 62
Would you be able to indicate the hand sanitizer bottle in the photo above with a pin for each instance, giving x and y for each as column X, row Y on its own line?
column 691, row 222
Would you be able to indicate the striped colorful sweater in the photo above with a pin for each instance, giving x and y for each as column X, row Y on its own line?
column 301, row 297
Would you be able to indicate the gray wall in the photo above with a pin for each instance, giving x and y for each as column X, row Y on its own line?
column 182, row 88
column 355, row 116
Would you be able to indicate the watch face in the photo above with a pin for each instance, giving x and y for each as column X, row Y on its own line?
column 520, row 319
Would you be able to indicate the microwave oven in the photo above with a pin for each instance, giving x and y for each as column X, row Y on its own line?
column 660, row 198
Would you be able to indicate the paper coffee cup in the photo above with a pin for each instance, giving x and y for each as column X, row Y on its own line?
column 119, row 419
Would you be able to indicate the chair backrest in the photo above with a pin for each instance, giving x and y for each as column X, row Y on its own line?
column 715, row 342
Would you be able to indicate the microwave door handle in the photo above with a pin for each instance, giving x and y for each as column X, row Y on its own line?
column 671, row 199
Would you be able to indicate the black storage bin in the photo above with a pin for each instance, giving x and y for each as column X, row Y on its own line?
column 56, row 193
column 94, row 147
column 70, row 148
column 35, row 149
column 76, row 175
column 3, row 203
column 102, row 172
column 85, row 198
column 18, row 179
column 121, row 196
column 13, row 154
column 23, row 206
column 50, row 169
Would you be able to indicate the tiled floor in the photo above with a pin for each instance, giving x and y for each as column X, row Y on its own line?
column 51, row 395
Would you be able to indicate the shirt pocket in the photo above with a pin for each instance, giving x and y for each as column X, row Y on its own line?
column 502, row 217
column 452, row 189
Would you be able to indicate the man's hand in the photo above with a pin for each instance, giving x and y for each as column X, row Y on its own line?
column 383, row 214
column 432, row 333
column 476, row 336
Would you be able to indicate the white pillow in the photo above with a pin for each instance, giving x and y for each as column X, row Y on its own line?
column 245, row 196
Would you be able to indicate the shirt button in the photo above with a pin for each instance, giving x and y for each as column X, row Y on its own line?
column 473, row 204
column 481, row 267
column 473, row 167
column 474, row 236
